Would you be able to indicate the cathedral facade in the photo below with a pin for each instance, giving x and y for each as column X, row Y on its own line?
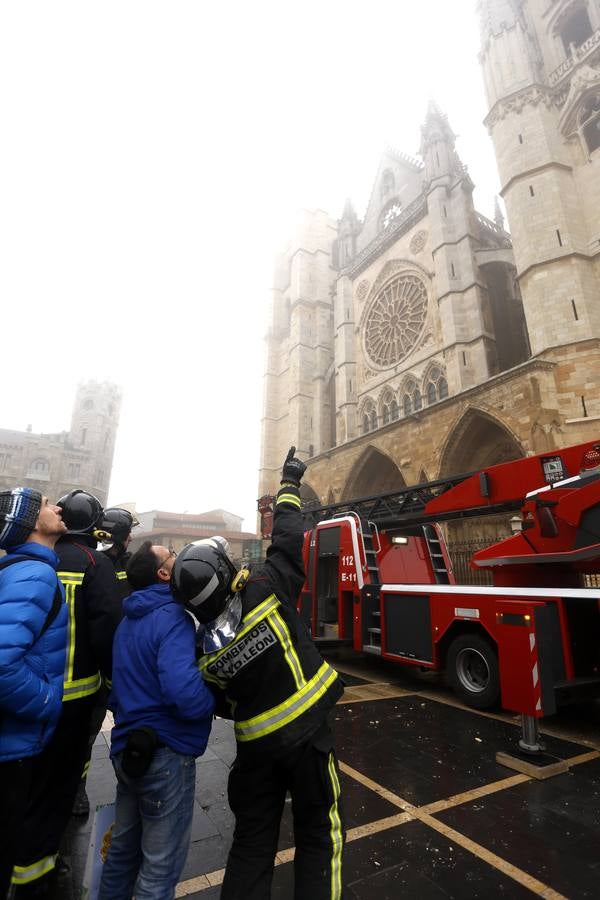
column 82, row 457
column 425, row 339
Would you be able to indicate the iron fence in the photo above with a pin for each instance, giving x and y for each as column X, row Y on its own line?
column 461, row 553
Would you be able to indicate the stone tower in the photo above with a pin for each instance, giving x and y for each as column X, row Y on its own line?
column 541, row 66
column 59, row 462
column 463, row 301
column 94, row 424
column 298, row 383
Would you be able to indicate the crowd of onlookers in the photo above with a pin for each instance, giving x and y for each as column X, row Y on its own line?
column 167, row 642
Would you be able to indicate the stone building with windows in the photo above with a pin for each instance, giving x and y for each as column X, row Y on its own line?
column 79, row 458
column 424, row 339
column 175, row 530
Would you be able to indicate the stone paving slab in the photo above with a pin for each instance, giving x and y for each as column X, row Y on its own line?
column 429, row 812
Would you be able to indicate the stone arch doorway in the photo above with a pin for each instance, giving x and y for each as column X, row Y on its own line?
column 308, row 494
column 373, row 473
column 477, row 441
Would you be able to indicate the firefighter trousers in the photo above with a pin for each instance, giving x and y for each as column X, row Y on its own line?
column 56, row 773
column 15, row 780
column 257, row 791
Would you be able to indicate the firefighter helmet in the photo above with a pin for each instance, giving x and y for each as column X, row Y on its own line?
column 117, row 523
column 201, row 578
column 80, row 511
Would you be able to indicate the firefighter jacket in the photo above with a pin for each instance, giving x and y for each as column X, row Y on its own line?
column 119, row 560
column 278, row 687
column 94, row 604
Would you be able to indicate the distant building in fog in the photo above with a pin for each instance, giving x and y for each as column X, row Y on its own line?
column 79, row 458
column 175, row 530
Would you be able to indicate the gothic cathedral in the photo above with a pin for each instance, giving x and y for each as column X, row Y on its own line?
column 425, row 339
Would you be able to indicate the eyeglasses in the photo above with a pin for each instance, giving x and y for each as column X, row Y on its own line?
column 172, row 554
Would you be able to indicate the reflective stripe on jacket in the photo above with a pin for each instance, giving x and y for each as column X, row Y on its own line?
column 276, row 683
column 94, row 605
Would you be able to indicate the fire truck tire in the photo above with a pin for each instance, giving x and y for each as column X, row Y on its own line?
column 472, row 668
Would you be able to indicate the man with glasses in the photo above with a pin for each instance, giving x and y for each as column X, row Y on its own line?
column 163, row 713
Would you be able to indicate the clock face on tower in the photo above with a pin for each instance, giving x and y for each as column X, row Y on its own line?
column 395, row 320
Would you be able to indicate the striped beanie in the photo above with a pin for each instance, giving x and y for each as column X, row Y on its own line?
column 19, row 510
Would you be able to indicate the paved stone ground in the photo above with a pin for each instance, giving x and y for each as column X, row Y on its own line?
column 429, row 812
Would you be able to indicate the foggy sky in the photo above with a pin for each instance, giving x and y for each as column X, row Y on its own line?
column 154, row 155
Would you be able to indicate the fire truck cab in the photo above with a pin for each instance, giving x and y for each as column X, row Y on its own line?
column 379, row 579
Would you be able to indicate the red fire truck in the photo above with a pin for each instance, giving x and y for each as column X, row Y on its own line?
column 379, row 578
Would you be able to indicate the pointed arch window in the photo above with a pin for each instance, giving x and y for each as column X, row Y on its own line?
column 436, row 387
column 575, row 29
column 365, row 423
column 589, row 122
column 412, row 401
column 387, row 408
column 388, row 182
column 394, row 409
column 373, row 420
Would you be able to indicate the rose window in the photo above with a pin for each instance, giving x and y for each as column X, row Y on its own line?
column 395, row 320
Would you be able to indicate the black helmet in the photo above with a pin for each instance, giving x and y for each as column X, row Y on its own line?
column 80, row 511
column 201, row 578
column 116, row 524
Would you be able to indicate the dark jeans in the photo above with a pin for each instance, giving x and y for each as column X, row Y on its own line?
column 257, row 791
column 15, row 780
column 151, row 834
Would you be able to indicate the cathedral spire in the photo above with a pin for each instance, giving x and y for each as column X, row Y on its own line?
column 498, row 216
column 437, row 144
column 349, row 213
column 348, row 229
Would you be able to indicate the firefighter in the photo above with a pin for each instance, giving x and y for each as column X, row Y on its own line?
column 115, row 527
column 269, row 677
column 94, row 606
column 118, row 524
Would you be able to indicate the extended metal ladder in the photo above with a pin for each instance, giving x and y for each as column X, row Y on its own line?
column 373, row 625
column 401, row 507
column 438, row 562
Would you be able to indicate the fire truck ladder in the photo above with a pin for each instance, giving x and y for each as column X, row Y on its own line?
column 440, row 569
column 400, row 508
column 369, row 530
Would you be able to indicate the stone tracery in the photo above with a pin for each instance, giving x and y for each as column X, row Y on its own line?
column 395, row 320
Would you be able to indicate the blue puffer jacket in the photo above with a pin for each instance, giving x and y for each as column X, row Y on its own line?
column 155, row 677
column 31, row 666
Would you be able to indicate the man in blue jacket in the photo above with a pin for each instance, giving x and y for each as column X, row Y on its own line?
column 33, row 636
column 163, row 712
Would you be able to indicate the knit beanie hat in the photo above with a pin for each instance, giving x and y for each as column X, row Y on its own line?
column 19, row 510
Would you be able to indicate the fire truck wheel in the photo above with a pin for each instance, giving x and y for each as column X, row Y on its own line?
column 472, row 667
